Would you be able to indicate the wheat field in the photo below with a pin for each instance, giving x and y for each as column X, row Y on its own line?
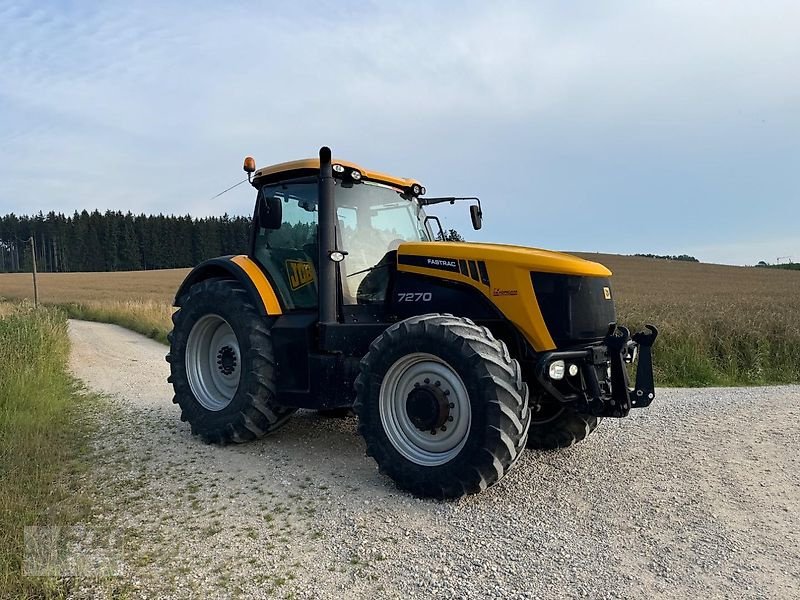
column 719, row 324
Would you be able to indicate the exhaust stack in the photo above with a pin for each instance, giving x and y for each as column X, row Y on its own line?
column 327, row 240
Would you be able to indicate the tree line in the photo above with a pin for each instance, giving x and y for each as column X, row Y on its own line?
column 791, row 266
column 683, row 257
column 116, row 241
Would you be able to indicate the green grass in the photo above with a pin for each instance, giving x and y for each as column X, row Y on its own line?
column 42, row 439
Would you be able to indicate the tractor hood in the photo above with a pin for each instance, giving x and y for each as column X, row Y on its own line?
column 531, row 259
column 503, row 274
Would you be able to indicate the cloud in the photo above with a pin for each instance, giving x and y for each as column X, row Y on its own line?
column 619, row 126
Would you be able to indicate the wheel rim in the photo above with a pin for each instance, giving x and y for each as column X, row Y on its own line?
column 213, row 362
column 404, row 378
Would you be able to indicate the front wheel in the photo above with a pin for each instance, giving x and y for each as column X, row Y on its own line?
column 555, row 426
column 442, row 406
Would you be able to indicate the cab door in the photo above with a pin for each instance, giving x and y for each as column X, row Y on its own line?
column 288, row 254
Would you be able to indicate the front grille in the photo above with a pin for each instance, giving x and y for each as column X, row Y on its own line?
column 575, row 308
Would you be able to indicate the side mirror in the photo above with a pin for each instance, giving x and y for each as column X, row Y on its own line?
column 476, row 214
column 270, row 212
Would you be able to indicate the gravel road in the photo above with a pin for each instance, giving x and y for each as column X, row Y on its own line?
column 696, row 496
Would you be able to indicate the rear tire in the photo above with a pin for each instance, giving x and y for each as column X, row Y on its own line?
column 442, row 406
column 222, row 366
column 555, row 426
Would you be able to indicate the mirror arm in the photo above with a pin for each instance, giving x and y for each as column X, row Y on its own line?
column 450, row 199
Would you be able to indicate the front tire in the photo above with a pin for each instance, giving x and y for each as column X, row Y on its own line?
column 554, row 426
column 222, row 365
column 442, row 406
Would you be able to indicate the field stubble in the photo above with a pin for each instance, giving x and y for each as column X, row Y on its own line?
column 720, row 325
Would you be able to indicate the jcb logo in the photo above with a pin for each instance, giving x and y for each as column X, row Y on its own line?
column 300, row 273
column 607, row 293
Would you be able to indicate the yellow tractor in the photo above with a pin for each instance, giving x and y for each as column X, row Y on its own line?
column 454, row 356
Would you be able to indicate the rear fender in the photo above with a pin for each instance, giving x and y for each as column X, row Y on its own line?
column 239, row 268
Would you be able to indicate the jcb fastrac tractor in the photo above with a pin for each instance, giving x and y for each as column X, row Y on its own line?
column 454, row 356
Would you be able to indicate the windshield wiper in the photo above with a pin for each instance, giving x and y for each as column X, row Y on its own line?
column 367, row 270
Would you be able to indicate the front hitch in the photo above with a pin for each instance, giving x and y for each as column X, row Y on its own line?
column 595, row 398
column 645, row 390
column 621, row 347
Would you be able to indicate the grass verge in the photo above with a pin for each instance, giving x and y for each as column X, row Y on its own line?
column 148, row 317
column 42, row 439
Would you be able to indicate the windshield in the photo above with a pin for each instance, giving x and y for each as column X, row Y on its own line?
column 373, row 219
column 378, row 210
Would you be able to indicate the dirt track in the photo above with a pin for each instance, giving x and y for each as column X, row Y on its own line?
column 697, row 496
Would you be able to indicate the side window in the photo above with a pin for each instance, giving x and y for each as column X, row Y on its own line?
column 289, row 254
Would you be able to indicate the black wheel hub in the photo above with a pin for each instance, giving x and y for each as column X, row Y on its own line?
column 226, row 360
column 428, row 407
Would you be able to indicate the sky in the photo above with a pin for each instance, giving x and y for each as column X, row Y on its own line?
column 616, row 126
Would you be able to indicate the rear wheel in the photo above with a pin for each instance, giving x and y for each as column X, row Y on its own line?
column 222, row 366
column 442, row 406
column 555, row 426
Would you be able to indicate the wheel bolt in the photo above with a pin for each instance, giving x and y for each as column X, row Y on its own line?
column 438, row 384
column 427, row 380
column 416, row 384
column 433, row 432
column 451, row 405
column 444, row 427
column 447, row 392
column 450, row 419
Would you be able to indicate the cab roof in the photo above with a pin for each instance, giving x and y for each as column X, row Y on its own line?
column 310, row 166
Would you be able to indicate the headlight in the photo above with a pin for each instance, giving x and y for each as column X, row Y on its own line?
column 556, row 370
column 573, row 370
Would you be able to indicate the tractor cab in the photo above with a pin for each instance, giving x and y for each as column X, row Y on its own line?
column 373, row 217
